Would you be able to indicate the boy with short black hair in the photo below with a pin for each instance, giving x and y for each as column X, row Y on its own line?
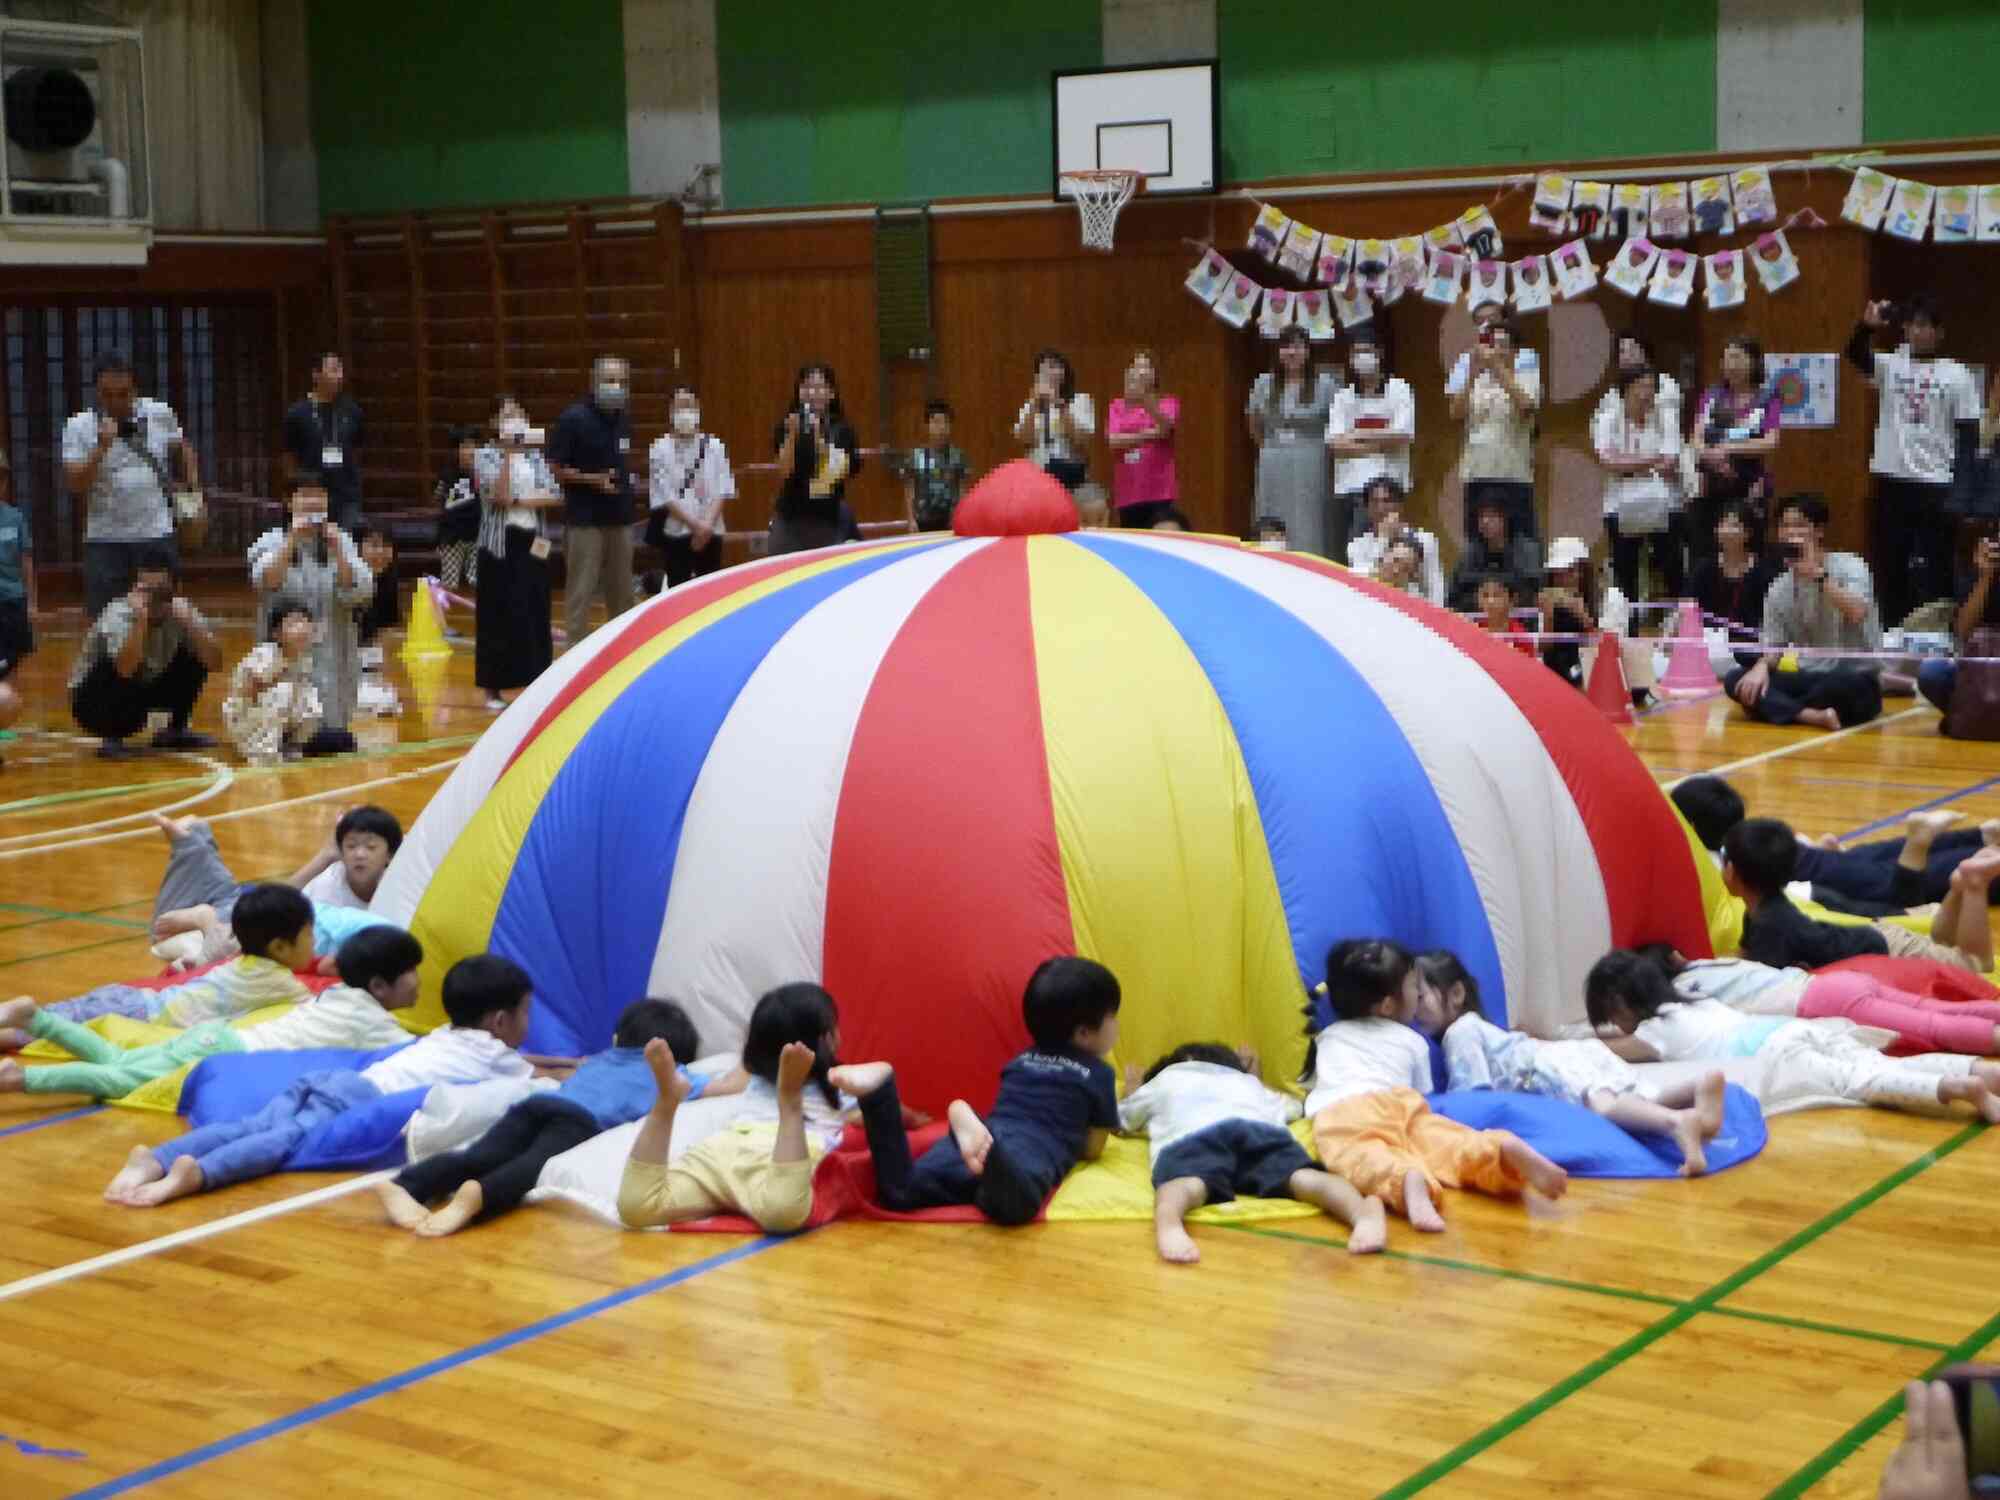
column 486, row 1000
column 1057, row 1103
column 17, row 594
column 934, row 474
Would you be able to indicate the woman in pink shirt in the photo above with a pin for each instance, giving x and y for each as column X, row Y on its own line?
column 1141, row 433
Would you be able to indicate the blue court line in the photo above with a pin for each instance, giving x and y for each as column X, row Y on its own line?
column 55, row 1119
column 1894, row 818
column 36, row 1450
column 195, row 1457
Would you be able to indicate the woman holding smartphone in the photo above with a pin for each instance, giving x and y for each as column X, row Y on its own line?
column 817, row 454
column 1056, row 420
column 514, row 636
column 1496, row 396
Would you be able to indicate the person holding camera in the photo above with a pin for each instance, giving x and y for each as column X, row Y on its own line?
column 148, row 652
column 1056, row 420
column 513, row 640
column 1926, row 435
column 311, row 560
column 323, row 441
column 118, row 458
column 1978, row 606
column 1950, row 1434
column 1822, row 599
column 1495, row 390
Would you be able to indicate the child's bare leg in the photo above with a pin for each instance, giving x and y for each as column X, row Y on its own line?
column 1962, row 920
column 187, row 919
column 1989, row 831
column 1920, row 831
column 460, row 1210
column 970, row 1132
column 1543, row 1175
column 1644, row 1117
column 1338, row 1198
column 1173, row 1201
column 1979, row 1088
column 15, row 1015
column 182, row 1179
column 795, row 1066
column 403, row 1210
column 140, row 1168
column 656, row 1135
column 13, row 1077
column 1418, row 1206
column 173, row 829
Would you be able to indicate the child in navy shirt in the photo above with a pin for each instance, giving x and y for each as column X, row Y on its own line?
column 1057, row 1103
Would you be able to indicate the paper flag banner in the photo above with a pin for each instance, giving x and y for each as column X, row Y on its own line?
column 1275, row 313
column 1576, row 272
column 1725, row 279
column 1867, row 198
column 1447, row 271
column 1673, row 279
column 1480, row 233
column 1336, row 259
column 1672, row 219
column 1408, row 263
column 1756, row 200
column 1238, row 301
column 1989, row 211
column 1371, row 265
column 1632, row 266
column 1909, row 214
column 1301, row 250
column 1268, row 231
column 1551, row 205
column 1629, row 204
column 1957, row 220
column 1712, row 213
column 1590, row 210
column 1487, row 283
column 1352, row 304
column 1314, row 312
column 1777, row 267
column 1444, row 237
column 1533, row 287
column 1208, row 279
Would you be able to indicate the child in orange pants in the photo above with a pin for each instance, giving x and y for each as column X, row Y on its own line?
column 1369, row 1071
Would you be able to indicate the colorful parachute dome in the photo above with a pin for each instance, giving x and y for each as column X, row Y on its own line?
column 913, row 770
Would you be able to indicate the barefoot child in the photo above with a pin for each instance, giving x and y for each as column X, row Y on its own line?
column 1804, row 1063
column 1479, row 1055
column 763, row 1172
column 1215, row 1131
column 273, row 708
column 378, row 971
column 1369, row 1071
column 494, row 1173
column 1057, row 1104
column 486, row 1002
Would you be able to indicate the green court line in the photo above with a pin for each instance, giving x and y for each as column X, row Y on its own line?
column 29, row 958
column 1646, row 1337
column 1810, row 1325
column 51, row 914
column 1857, row 1437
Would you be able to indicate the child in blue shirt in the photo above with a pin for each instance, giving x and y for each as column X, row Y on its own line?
column 17, row 594
column 1058, row 1101
column 494, row 1173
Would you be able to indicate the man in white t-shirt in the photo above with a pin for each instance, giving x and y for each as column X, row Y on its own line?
column 1382, row 501
column 1926, row 432
column 123, row 458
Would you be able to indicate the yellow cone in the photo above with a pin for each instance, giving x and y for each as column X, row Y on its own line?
column 426, row 637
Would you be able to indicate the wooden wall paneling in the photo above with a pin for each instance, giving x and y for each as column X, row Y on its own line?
column 420, row 342
column 671, row 248
column 496, row 283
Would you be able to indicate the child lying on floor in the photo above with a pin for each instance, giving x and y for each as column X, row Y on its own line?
column 274, row 926
column 1479, row 1055
column 378, row 972
column 762, row 1167
column 1057, row 1104
column 1216, row 1131
column 1369, row 1071
column 493, row 1174
column 1805, row 1063
column 486, row 1002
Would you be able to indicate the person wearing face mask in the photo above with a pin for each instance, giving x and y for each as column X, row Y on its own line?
column 1496, row 392
column 817, row 453
column 316, row 563
column 689, row 481
column 513, row 643
column 590, row 454
column 1370, row 428
column 149, row 652
column 119, row 459
column 323, row 441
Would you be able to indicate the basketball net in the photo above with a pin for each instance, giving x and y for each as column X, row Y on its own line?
column 1099, row 196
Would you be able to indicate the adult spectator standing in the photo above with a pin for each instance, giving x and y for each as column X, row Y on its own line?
column 149, row 651
column 1140, row 428
column 590, row 456
column 1495, row 390
column 118, row 458
column 513, row 644
column 817, row 454
column 1634, row 353
column 1735, row 437
column 1640, row 452
column 1287, row 412
column 1370, row 428
column 1494, row 547
column 688, row 483
column 1056, row 419
column 1823, row 599
column 323, row 434
column 315, row 562
column 1926, row 432
column 1979, row 604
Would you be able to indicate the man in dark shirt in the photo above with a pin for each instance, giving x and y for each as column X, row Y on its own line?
column 323, row 435
column 590, row 454
column 1978, row 604
column 1494, row 548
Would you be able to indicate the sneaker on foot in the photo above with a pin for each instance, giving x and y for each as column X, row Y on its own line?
column 182, row 739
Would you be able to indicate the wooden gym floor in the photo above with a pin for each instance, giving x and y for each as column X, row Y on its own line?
column 1744, row 1335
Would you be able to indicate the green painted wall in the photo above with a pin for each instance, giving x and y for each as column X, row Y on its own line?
column 434, row 106
column 1928, row 69
column 1309, row 88
column 900, row 99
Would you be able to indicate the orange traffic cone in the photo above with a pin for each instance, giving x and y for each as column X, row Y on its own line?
column 426, row 637
column 1607, row 687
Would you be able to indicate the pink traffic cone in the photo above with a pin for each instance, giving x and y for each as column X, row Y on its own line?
column 1689, row 673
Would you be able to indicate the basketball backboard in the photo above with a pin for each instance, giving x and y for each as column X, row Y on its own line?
column 1159, row 120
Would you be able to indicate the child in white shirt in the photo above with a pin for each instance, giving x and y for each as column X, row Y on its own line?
column 1215, row 1131
column 273, row 709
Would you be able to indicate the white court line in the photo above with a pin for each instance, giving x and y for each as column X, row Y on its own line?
column 181, row 1237
column 329, row 795
column 224, row 778
column 1794, row 749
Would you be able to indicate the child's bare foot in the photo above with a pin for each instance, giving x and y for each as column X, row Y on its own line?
column 795, row 1065
column 140, row 1168
column 1177, row 1246
column 182, row 1179
column 1688, row 1136
column 187, row 919
column 460, row 1211
column 15, row 1014
column 1987, row 1073
column 1975, row 1089
column 174, row 828
column 1709, row 1097
column 974, row 1139
column 666, row 1072
column 1978, row 871
column 1824, row 841
column 860, row 1079
column 12, row 1040
column 13, row 1077
column 1924, row 827
column 1543, row 1175
column 1370, row 1229
column 1989, row 831
column 1819, row 718
column 1418, row 1206
column 403, row 1210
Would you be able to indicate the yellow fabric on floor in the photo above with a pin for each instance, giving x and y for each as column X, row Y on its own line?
column 1119, row 1185
column 162, row 1095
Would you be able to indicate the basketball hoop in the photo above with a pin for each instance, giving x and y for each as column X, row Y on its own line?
column 1099, row 195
